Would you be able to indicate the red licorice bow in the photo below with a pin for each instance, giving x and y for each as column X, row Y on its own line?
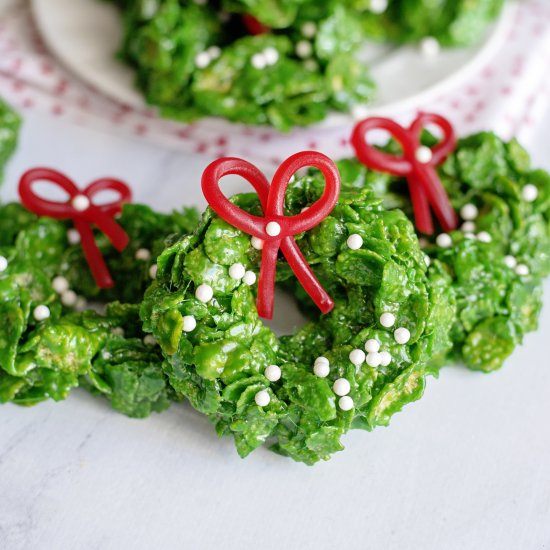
column 84, row 213
column 417, row 163
column 275, row 229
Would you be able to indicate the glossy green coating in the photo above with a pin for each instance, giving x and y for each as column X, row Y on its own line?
column 9, row 129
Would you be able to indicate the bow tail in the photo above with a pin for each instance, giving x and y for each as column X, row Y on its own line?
column 266, row 284
column 93, row 255
column 439, row 200
column 421, row 207
column 305, row 275
column 112, row 230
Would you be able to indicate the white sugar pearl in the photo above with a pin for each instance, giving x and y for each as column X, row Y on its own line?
column 257, row 243
column 322, row 361
column 273, row 373
column 259, row 61
column 81, row 203
column 430, row 47
column 60, row 284
column 237, row 271
column 387, row 319
column 309, row 29
column 118, row 331
column 522, row 270
column 150, row 340
column 345, row 403
column 423, row 242
column 444, row 240
column 378, row 6
column 214, row 52
column 271, row 56
column 468, row 227
column 372, row 345
column 204, row 293
column 304, row 49
column 73, row 236
column 354, row 242
column 262, row 398
column 484, row 237
column 3, row 264
column 360, row 112
column 81, row 303
column 249, row 278
column 153, row 271
column 357, row 357
column 69, row 298
column 469, row 236
column 510, row 262
column 530, row 192
column 374, row 359
column 41, row 313
column 143, row 254
column 424, row 154
column 189, row 323
column 402, row 335
column 321, row 368
column 427, row 260
column 273, row 229
column 385, row 358
column 469, row 212
column 341, row 387
column 202, row 60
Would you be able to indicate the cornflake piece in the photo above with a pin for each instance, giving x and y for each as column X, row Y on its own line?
column 3, row 264
column 357, row 357
column 204, row 293
column 341, row 387
column 402, row 335
column 387, row 320
column 444, row 240
column 41, row 313
column 262, row 398
column 249, row 278
column 372, row 345
column 354, row 242
column 273, row 373
column 189, row 323
column 237, row 271
column 345, row 403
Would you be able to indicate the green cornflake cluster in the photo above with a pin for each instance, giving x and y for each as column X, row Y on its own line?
column 199, row 59
column 9, row 128
column 43, row 358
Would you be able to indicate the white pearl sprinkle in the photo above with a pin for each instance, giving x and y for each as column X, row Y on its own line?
column 345, row 403
column 150, row 340
column 510, row 262
column 354, row 242
column 273, row 373
column 237, row 271
column 143, row 254
column 374, row 359
column 259, row 61
column 387, row 320
column 522, row 270
column 271, row 56
column 341, row 387
column 249, row 278
column 469, row 236
column 424, row 154
column 430, row 47
column 3, row 264
column 118, row 331
column 73, row 236
column 214, row 52
column 262, row 398
column 81, row 303
column 41, row 313
column 81, row 203
column 357, row 357
column 427, row 260
column 321, row 368
column 204, row 293
column 469, row 212
column 372, row 345
column 304, row 49
column 378, row 6
column 202, row 60
column 484, row 237
column 69, row 298
column 530, row 192
column 468, row 227
column 60, row 284
column 385, row 358
column 309, row 29
column 257, row 243
column 273, row 229
column 402, row 335
column 153, row 271
column 444, row 240
column 189, row 323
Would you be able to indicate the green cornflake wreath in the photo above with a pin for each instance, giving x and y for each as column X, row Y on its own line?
column 196, row 59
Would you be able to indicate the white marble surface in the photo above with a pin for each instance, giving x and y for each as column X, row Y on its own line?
column 467, row 467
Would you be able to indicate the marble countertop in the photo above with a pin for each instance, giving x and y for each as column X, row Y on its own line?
column 467, row 467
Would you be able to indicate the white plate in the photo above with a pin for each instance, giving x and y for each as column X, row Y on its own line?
column 86, row 34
